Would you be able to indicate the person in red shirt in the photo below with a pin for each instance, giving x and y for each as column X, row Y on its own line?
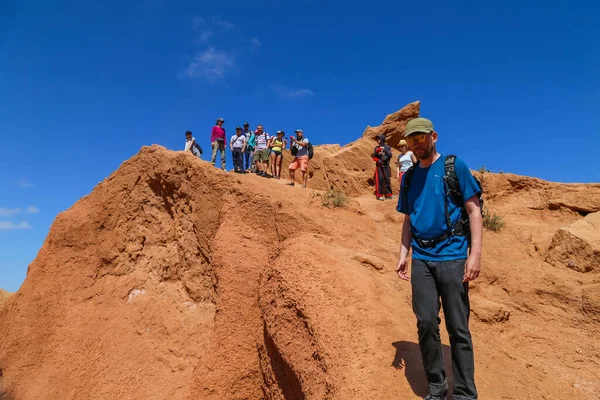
column 217, row 141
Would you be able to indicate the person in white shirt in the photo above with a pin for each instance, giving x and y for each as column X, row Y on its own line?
column 191, row 145
column 237, row 145
column 405, row 160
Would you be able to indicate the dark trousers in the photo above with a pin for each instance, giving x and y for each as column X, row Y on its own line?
column 238, row 160
column 384, row 186
column 431, row 281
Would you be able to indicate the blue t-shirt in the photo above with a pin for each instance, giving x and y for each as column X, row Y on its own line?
column 427, row 210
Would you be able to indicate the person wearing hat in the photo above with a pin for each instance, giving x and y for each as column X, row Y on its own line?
column 299, row 149
column 382, row 155
column 405, row 159
column 444, row 232
column 237, row 146
column 261, row 152
column 217, row 141
column 277, row 145
column 249, row 152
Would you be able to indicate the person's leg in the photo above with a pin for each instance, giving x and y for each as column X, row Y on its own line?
column 426, row 306
column 304, row 169
column 223, row 163
column 273, row 166
column 455, row 300
column 388, row 184
column 257, row 161
column 381, row 182
column 213, row 158
column 292, row 168
column 278, row 161
column 237, row 160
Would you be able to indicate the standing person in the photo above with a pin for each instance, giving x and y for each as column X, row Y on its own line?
column 191, row 145
column 299, row 149
column 249, row 152
column 405, row 160
column 277, row 145
column 261, row 152
column 440, row 200
column 382, row 155
column 217, row 141
column 237, row 146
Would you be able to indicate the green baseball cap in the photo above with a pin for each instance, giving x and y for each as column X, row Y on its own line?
column 418, row 125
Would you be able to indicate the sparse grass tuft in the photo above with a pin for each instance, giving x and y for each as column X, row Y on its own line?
column 492, row 221
column 334, row 198
column 483, row 169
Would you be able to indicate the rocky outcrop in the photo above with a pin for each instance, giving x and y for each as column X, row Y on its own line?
column 577, row 246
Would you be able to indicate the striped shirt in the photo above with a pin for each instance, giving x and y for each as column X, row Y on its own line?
column 262, row 141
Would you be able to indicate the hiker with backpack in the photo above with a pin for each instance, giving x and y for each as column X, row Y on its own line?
column 191, row 145
column 261, row 154
column 277, row 144
column 217, row 141
column 302, row 151
column 382, row 155
column 250, row 144
column 443, row 224
column 238, row 146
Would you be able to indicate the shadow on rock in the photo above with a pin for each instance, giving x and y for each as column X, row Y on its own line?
column 408, row 358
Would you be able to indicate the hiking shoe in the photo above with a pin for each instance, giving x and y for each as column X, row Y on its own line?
column 391, row 197
column 381, row 198
column 433, row 397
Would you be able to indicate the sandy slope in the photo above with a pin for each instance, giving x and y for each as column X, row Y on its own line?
column 176, row 280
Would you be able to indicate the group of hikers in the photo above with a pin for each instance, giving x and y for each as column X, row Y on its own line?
column 441, row 202
column 254, row 151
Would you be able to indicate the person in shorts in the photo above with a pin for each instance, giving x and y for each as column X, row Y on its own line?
column 299, row 149
column 277, row 144
column 261, row 152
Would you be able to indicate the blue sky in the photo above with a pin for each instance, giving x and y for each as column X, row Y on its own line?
column 512, row 85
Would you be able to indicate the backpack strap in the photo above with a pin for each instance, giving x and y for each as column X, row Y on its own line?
column 454, row 194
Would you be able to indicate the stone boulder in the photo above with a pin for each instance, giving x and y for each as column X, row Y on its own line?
column 577, row 246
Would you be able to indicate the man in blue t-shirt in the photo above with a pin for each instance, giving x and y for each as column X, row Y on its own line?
column 443, row 261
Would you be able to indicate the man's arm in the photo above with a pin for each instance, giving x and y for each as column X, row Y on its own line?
column 473, row 264
column 402, row 268
column 302, row 142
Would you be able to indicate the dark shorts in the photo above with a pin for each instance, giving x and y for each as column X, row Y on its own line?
column 277, row 153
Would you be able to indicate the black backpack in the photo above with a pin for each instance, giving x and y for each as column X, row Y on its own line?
column 309, row 148
column 197, row 146
column 452, row 193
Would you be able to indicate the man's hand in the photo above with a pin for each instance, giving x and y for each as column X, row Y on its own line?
column 472, row 268
column 402, row 269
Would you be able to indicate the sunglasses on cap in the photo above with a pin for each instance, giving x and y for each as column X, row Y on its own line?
column 418, row 138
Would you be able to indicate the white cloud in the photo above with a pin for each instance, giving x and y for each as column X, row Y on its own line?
column 289, row 93
column 211, row 65
column 205, row 35
column 255, row 43
column 227, row 25
column 12, row 226
column 24, row 182
column 198, row 22
column 7, row 212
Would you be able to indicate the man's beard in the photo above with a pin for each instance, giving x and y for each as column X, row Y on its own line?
column 425, row 154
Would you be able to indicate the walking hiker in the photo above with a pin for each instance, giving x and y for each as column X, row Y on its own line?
column 299, row 149
column 191, row 145
column 277, row 145
column 382, row 156
column 261, row 153
column 249, row 152
column 405, row 160
column 443, row 225
column 238, row 146
column 217, row 141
